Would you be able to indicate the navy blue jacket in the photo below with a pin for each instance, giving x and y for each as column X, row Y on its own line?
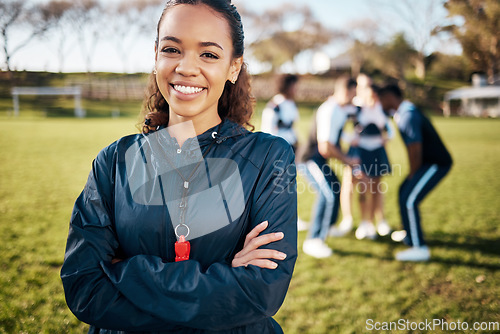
column 148, row 292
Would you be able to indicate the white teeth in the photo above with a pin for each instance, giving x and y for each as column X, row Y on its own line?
column 187, row 89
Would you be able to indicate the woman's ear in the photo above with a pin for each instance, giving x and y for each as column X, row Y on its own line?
column 235, row 69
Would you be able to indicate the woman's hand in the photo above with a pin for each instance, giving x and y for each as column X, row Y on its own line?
column 251, row 254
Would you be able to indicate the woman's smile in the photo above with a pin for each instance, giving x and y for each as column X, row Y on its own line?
column 185, row 91
column 188, row 90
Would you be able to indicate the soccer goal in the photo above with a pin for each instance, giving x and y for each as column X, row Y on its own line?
column 75, row 91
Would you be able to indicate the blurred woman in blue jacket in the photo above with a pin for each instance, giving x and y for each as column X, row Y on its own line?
column 190, row 226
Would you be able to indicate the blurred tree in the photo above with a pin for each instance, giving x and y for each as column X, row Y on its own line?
column 397, row 57
column 450, row 67
column 17, row 14
column 393, row 59
column 10, row 16
column 363, row 33
column 88, row 23
column 284, row 33
column 149, row 9
column 128, row 21
column 420, row 18
column 363, row 56
column 64, row 12
column 480, row 33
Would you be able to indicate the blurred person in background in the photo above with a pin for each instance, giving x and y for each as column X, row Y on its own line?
column 281, row 112
column 280, row 115
column 324, row 143
column 371, row 132
column 429, row 162
column 369, row 106
column 129, row 266
column 345, row 226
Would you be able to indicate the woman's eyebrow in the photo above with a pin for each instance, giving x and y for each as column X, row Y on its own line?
column 203, row 44
column 171, row 38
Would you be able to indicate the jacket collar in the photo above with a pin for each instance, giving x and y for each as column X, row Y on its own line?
column 219, row 133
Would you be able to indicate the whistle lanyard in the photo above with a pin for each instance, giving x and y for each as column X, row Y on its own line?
column 183, row 247
column 186, row 182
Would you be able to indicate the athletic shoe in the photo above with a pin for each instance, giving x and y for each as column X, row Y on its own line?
column 342, row 229
column 316, row 248
column 383, row 228
column 366, row 230
column 414, row 254
column 302, row 225
column 398, row 236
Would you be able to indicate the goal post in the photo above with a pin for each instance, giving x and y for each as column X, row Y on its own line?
column 75, row 91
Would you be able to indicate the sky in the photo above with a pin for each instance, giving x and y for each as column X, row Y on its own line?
column 41, row 54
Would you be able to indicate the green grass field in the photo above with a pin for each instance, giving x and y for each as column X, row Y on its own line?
column 45, row 165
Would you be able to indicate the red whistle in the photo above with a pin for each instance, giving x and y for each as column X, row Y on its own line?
column 182, row 249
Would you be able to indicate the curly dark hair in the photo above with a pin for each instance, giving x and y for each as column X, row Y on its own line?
column 236, row 102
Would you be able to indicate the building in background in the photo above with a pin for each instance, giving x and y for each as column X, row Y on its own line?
column 480, row 100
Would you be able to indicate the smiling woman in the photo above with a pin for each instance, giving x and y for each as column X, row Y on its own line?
column 191, row 225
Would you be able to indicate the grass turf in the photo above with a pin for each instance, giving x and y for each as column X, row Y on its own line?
column 46, row 161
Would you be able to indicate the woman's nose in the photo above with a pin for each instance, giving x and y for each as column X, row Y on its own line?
column 188, row 66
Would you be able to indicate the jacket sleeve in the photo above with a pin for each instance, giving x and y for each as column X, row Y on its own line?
column 144, row 293
column 90, row 294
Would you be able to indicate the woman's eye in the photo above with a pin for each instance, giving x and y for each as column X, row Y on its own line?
column 170, row 50
column 210, row 55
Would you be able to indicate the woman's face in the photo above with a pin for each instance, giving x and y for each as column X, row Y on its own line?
column 194, row 59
